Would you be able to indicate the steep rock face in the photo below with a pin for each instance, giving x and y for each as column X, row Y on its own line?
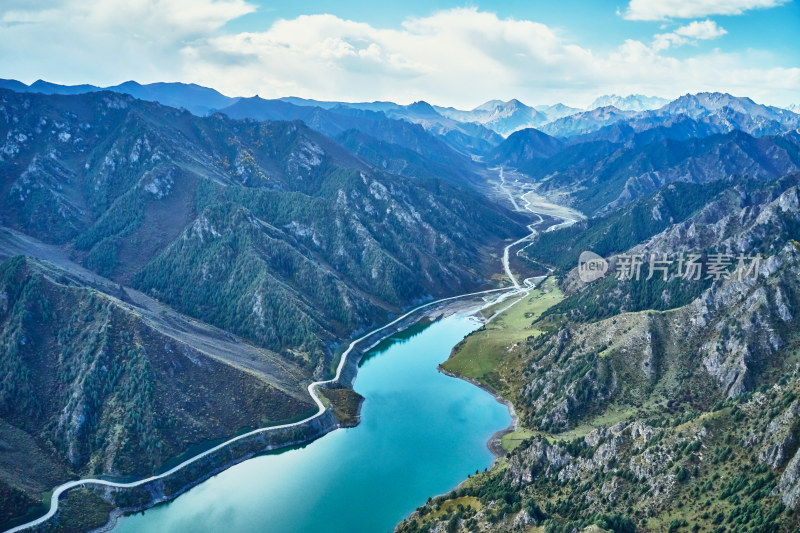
column 599, row 452
column 748, row 218
column 733, row 332
column 758, row 310
column 730, row 359
column 780, row 437
column 789, row 484
column 540, row 458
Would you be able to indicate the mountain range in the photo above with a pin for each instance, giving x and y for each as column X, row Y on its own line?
column 500, row 117
column 157, row 239
column 198, row 100
column 632, row 102
column 467, row 131
column 176, row 266
column 709, row 112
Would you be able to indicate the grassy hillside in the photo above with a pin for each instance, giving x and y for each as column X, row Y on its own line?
column 484, row 355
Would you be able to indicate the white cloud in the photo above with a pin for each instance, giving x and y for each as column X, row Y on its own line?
column 463, row 57
column 664, row 9
column 689, row 34
column 456, row 57
column 181, row 18
column 701, row 29
column 64, row 39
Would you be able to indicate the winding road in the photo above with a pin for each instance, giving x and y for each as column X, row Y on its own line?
column 312, row 387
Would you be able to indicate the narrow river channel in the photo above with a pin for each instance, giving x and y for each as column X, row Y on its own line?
column 420, row 435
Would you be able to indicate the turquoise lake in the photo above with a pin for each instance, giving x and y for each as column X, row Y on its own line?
column 421, row 434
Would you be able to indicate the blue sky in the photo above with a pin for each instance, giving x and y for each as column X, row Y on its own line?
column 448, row 53
column 590, row 23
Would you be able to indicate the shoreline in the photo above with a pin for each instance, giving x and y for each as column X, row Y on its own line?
column 495, row 442
column 326, row 423
column 119, row 512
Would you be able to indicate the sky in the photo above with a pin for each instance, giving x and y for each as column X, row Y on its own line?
column 445, row 52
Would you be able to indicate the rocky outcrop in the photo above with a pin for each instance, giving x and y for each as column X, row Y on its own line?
column 789, row 484
column 538, row 459
column 781, row 437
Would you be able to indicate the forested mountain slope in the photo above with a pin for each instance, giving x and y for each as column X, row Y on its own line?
column 89, row 386
column 281, row 241
column 244, row 224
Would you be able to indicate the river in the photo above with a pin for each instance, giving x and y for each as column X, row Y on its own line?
column 421, row 434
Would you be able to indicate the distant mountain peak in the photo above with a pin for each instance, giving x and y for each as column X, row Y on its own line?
column 607, row 110
column 422, row 107
column 503, row 117
column 705, row 103
column 488, row 106
column 632, row 102
column 706, row 97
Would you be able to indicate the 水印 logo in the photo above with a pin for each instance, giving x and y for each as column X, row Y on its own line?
column 591, row 267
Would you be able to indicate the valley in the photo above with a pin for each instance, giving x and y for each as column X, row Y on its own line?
column 189, row 301
column 187, row 332
column 280, row 266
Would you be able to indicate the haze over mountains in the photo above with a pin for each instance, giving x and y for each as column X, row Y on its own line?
column 497, row 116
column 199, row 100
column 632, row 102
column 157, row 256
